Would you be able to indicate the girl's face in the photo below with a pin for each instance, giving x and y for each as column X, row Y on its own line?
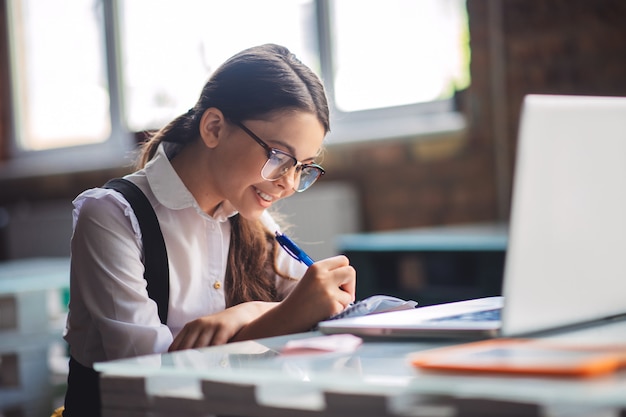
column 240, row 159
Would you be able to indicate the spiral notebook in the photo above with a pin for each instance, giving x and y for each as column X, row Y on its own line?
column 565, row 262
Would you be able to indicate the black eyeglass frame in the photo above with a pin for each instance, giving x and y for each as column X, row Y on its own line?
column 273, row 151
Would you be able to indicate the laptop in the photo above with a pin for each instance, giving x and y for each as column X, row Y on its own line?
column 566, row 256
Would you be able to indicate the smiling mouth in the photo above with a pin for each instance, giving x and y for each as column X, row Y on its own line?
column 264, row 197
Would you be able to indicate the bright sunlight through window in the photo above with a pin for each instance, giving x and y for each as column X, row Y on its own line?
column 59, row 74
column 397, row 52
column 371, row 54
column 165, row 65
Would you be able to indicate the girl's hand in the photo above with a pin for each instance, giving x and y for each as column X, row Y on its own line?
column 327, row 287
column 218, row 328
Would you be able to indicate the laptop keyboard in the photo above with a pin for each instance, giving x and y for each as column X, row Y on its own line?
column 485, row 315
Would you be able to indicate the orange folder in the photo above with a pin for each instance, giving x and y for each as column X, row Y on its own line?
column 523, row 356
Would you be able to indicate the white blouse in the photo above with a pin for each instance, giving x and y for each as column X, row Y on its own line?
column 111, row 315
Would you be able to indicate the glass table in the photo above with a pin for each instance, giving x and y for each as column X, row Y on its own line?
column 257, row 378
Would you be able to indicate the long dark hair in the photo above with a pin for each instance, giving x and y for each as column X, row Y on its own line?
column 250, row 85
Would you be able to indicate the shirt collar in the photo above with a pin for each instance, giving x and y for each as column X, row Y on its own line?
column 169, row 189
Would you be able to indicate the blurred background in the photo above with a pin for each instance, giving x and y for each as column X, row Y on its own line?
column 425, row 98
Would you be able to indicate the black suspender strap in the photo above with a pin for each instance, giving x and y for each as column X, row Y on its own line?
column 83, row 384
column 156, row 271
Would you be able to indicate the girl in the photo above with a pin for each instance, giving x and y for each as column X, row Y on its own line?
column 210, row 175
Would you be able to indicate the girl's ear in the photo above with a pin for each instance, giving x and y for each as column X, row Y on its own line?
column 212, row 126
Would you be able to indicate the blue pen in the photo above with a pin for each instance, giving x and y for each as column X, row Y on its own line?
column 293, row 249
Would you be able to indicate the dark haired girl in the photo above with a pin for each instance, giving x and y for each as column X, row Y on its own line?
column 210, row 175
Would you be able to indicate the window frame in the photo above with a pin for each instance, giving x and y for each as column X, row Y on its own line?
column 408, row 121
column 113, row 152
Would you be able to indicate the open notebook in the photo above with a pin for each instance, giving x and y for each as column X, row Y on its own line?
column 566, row 256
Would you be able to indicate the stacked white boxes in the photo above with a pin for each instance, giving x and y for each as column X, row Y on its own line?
column 30, row 312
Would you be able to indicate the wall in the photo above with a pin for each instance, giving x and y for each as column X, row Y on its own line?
column 518, row 47
column 4, row 83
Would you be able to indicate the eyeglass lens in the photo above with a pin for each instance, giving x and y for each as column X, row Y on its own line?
column 279, row 164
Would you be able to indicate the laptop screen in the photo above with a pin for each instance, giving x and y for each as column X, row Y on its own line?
column 567, row 234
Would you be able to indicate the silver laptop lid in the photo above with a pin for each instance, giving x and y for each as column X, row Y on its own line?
column 567, row 237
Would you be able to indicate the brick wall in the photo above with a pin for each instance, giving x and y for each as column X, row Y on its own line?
column 439, row 180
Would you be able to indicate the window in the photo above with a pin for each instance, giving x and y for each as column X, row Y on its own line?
column 61, row 88
column 65, row 98
column 165, row 65
column 88, row 72
column 396, row 52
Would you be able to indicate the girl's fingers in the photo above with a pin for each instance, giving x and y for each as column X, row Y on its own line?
column 221, row 327
column 348, row 283
column 177, row 341
column 186, row 339
column 219, row 337
column 332, row 263
column 203, row 340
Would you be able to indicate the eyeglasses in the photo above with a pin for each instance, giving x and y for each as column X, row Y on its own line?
column 279, row 163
